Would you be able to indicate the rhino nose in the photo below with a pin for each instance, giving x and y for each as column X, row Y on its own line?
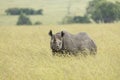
column 57, row 46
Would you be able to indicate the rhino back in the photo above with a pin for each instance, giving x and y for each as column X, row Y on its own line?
column 69, row 42
column 78, row 42
column 85, row 42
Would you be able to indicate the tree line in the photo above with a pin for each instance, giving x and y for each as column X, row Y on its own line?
column 25, row 20
column 27, row 11
column 99, row 11
column 23, row 12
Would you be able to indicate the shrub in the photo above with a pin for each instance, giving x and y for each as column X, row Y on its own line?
column 103, row 11
column 37, row 23
column 27, row 11
column 75, row 19
column 80, row 19
column 67, row 20
column 23, row 20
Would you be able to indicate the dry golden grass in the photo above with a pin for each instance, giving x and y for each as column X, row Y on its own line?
column 25, row 54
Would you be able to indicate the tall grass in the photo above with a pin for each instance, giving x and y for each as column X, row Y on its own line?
column 25, row 54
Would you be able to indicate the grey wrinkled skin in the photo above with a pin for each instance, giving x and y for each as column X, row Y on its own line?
column 64, row 42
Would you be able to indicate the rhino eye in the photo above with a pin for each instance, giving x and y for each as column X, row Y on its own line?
column 60, row 43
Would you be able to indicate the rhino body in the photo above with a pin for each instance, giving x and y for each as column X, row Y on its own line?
column 73, row 44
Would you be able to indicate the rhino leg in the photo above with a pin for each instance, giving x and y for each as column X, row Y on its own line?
column 85, row 51
column 93, row 51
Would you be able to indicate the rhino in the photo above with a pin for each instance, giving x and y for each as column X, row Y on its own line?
column 65, row 42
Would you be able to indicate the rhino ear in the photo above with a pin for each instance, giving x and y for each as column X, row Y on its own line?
column 50, row 33
column 62, row 34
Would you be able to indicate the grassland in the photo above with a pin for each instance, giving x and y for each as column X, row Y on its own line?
column 25, row 54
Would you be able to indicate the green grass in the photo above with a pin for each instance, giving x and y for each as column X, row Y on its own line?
column 25, row 54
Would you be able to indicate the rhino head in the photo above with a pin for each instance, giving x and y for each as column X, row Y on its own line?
column 56, row 42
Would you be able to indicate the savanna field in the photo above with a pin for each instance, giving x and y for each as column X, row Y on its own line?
column 25, row 54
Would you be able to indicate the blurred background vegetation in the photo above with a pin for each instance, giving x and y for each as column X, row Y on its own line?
column 52, row 12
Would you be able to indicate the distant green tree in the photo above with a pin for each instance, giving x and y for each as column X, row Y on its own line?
column 27, row 11
column 76, row 19
column 118, row 10
column 40, row 12
column 81, row 19
column 103, row 11
column 67, row 20
column 92, row 6
column 37, row 23
column 23, row 20
column 13, row 11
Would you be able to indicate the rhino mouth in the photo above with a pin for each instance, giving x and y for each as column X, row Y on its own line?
column 56, row 50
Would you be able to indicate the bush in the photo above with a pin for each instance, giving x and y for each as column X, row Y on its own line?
column 75, row 19
column 13, row 11
column 23, row 20
column 67, row 20
column 27, row 11
column 80, row 19
column 37, row 23
column 39, row 11
column 103, row 11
